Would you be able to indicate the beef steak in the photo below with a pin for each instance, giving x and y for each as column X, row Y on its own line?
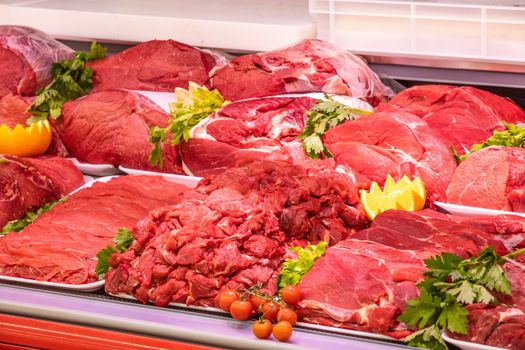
column 113, row 127
column 311, row 65
column 493, row 178
column 265, row 128
column 155, row 65
column 26, row 55
column 395, row 143
column 463, row 115
column 61, row 245
column 29, row 183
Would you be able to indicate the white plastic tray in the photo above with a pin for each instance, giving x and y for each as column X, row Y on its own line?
column 302, row 324
column 189, row 181
column 95, row 169
column 484, row 30
column 466, row 345
column 473, row 211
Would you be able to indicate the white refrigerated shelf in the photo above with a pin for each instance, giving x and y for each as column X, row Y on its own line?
column 255, row 25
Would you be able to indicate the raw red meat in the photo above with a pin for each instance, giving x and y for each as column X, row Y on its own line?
column 61, row 245
column 155, row 65
column 113, row 127
column 29, row 183
column 493, row 178
column 14, row 110
column 495, row 325
column 394, row 143
column 233, row 232
column 463, row 115
column 26, row 55
column 363, row 282
column 265, row 128
column 308, row 66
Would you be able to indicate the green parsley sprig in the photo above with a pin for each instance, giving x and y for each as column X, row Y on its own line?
column 513, row 136
column 190, row 107
column 29, row 218
column 451, row 283
column 293, row 270
column 71, row 79
column 122, row 241
column 324, row 115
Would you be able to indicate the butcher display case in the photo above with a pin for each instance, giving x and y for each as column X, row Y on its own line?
column 478, row 43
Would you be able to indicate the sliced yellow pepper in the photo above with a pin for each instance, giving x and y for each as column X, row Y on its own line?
column 403, row 195
column 25, row 141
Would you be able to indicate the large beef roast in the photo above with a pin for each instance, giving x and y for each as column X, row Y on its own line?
column 234, row 232
column 14, row 110
column 394, row 143
column 61, row 245
column 463, row 115
column 493, row 178
column 155, row 65
column 26, row 55
column 29, row 183
column 113, row 127
column 265, row 128
column 363, row 282
column 309, row 66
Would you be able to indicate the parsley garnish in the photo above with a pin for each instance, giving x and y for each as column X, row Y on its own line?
column 122, row 241
column 71, row 79
column 325, row 114
column 190, row 107
column 18, row 225
column 451, row 283
column 293, row 270
column 514, row 136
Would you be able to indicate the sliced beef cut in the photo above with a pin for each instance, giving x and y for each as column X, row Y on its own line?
column 308, row 66
column 26, row 56
column 28, row 183
column 14, row 110
column 265, row 128
column 495, row 325
column 61, row 245
column 234, row 231
column 493, row 178
column 155, row 65
column 112, row 127
column 463, row 115
column 364, row 281
column 395, row 143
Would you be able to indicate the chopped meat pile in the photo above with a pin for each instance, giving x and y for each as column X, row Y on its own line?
column 234, row 231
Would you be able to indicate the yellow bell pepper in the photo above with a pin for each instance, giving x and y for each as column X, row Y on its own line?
column 403, row 195
column 25, row 141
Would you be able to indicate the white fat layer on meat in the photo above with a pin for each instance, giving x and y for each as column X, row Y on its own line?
column 343, row 169
column 199, row 130
column 510, row 313
column 186, row 169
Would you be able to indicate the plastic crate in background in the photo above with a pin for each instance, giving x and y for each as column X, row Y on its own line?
column 486, row 30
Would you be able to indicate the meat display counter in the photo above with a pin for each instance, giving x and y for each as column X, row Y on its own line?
column 43, row 317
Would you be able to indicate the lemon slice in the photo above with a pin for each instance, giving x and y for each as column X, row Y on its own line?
column 402, row 195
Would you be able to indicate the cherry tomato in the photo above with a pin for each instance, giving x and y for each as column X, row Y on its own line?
column 226, row 299
column 282, row 331
column 241, row 310
column 287, row 314
column 257, row 302
column 262, row 328
column 270, row 310
column 291, row 295
column 114, row 260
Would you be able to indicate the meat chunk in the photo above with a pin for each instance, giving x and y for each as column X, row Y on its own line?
column 26, row 55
